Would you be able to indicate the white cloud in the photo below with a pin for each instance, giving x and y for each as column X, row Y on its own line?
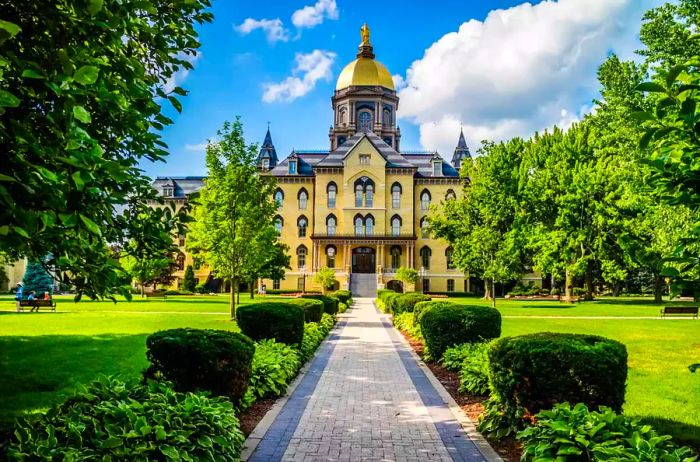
column 522, row 69
column 201, row 147
column 399, row 82
column 309, row 69
column 274, row 28
column 179, row 77
column 313, row 15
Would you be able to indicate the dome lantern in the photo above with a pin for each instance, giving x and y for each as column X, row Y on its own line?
column 365, row 71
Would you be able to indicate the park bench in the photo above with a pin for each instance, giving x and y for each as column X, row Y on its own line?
column 156, row 295
column 680, row 311
column 37, row 304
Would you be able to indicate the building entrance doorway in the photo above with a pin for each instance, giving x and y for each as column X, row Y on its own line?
column 364, row 260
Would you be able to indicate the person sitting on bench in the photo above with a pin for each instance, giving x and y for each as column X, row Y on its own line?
column 32, row 297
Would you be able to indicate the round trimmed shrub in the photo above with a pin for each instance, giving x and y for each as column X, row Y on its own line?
column 390, row 301
column 111, row 420
column 218, row 361
column 404, row 303
column 444, row 326
column 342, row 295
column 282, row 321
column 313, row 309
column 536, row 371
column 420, row 308
column 330, row 304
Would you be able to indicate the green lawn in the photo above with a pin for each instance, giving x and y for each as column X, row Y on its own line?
column 44, row 356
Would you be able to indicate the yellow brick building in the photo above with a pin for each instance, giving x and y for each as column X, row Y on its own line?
column 360, row 206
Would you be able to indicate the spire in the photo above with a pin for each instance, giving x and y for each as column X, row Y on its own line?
column 461, row 151
column 365, row 48
column 267, row 158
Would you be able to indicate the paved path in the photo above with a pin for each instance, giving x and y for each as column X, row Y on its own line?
column 364, row 397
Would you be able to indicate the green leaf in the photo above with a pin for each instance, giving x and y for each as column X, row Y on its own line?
column 7, row 99
column 652, row 87
column 176, row 104
column 78, row 180
column 86, row 75
column 111, row 442
column 94, row 6
column 81, row 114
column 68, row 219
column 90, row 225
column 32, row 74
column 673, row 73
column 10, row 27
column 642, row 116
column 160, row 432
column 21, row 232
column 4, row 177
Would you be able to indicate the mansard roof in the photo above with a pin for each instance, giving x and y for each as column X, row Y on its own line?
column 182, row 186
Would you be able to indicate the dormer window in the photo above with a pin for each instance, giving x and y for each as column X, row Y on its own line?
column 167, row 191
column 364, row 159
column 437, row 168
column 266, row 163
column 292, row 167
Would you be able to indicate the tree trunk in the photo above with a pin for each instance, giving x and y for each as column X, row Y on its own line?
column 493, row 292
column 617, row 288
column 233, row 300
column 252, row 291
column 567, row 287
column 143, row 290
column 658, row 289
column 487, row 289
column 589, row 283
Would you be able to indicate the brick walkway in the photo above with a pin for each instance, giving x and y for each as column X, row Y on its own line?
column 365, row 398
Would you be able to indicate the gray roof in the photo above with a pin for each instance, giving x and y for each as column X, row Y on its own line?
column 183, row 186
column 393, row 158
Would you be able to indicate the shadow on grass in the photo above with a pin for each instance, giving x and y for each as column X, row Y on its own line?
column 7, row 312
column 645, row 301
column 682, row 433
column 38, row 371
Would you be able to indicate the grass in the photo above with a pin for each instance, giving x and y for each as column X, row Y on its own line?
column 45, row 356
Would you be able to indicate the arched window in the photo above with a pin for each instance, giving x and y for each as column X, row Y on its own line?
column 396, row 196
column 364, row 121
column 279, row 197
column 386, row 120
column 369, row 195
column 330, row 256
column 301, row 256
column 279, row 222
column 448, row 256
column 395, row 225
column 303, row 198
column 369, row 225
column 331, row 223
column 332, row 190
column 358, row 194
column 450, row 195
column 302, row 224
column 395, row 256
column 425, row 200
column 359, row 225
column 343, row 115
column 181, row 261
column 424, row 228
column 425, row 254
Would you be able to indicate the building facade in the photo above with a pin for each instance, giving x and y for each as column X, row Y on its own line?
column 361, row 205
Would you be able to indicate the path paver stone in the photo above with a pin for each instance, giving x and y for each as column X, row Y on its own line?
column 364, row 397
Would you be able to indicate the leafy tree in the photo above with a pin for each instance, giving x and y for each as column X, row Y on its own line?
column 149, row 271
column 189, row 282
column 483, row 225
column 37, row 279
column 406, row 276
column 274, row 266
column 82, row 87
column 326, row 277
column 233, row 230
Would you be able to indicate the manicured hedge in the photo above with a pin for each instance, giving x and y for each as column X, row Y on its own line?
column 342, row 295
column 313, row 309
column 330, row 304
column 420, row 308
column 282, row 321
column 451, row 294
column 447, row 325
column 217, row 361
column 536, row 371
column 405, row 302
column 111, row 420
column 390, row 302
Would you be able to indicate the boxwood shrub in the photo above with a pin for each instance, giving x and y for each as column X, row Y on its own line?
column 420, row 307
column 330, row 304
column 111, row 420
column 343, row 295
column 217, row 361
column 313, row 309
column 390, row 301
column 536, row 371
column 447, row 325
column 405, row 302
column 282, row 321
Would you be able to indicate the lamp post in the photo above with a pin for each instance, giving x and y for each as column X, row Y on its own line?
column 303, row 275
column 421, row 276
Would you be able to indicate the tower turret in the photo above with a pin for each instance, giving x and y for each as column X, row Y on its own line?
column 461, row 151
column 267, row 158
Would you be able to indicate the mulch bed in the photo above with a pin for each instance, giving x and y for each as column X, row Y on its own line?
column 250, row 417
column 472, row 405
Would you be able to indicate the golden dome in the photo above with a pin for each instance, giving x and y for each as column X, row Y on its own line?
column 365, row 70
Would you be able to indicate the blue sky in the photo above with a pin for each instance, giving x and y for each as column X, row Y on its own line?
column 498, row 68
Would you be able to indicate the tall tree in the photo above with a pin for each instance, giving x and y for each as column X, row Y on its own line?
column 189, row 282
column 233, row 231
column 82, row 88
column 37, row 279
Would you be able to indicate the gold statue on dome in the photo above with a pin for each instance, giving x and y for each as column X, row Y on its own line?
column 364, row 33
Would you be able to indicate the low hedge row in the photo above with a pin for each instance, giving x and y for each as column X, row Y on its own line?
column 404, row 303
column 343, row 295
column 282, row 321
column 330, row 303
column 313, row 309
